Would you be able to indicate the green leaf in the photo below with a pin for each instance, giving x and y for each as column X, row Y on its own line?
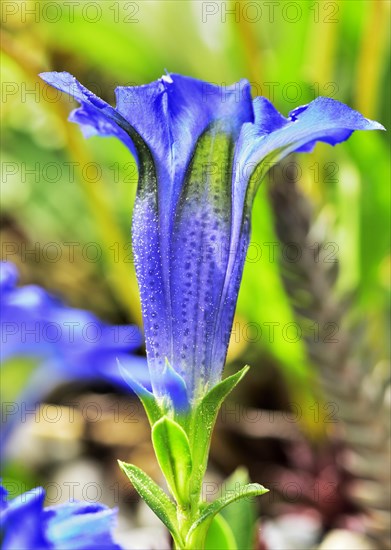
column 204, row 420
column 199, row 528
column 154, row 496
column 214, row 398
column 241, row 515
column 207, row 410
column 174, row 456
column 220, row 536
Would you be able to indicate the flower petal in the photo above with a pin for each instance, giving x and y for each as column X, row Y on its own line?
column 324, row 119
column 95, row 116
column 268, row 140
column 177, row 111
column 272, row 137
column 176, row 390
column 138, row 381
column 172, row 113
column 72, row 526
column 21, row 522
column 199, row 257
column 63, row 344
column 9, row 276
column 80, row 525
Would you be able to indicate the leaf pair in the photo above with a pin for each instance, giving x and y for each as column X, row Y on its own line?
column 200, row 527
column 182, row 456
column 165, row 509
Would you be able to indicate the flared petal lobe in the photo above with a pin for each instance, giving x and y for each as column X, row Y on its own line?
column 262, row 144
column 95, row 116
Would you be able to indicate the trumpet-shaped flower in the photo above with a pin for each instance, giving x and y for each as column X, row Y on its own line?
column 201, row 151
column 26, row 524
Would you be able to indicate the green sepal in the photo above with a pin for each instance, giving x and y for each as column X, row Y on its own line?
column 154, row 496
column 210, row 404
column 220, row 535
column 201, row 525
column 204, row 420
column 147, row 398
column 173, row 453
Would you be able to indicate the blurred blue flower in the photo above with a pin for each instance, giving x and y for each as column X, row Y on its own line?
column 66, row 344
column 201, row 151
column 27, row 525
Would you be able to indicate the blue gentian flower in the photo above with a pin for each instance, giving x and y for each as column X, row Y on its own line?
column 201, row 151
column 27, row 525
column 67, row 344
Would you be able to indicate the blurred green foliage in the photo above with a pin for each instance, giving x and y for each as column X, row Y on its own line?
column 291, row 52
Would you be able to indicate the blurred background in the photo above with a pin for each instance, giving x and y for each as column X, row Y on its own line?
column 311, row 421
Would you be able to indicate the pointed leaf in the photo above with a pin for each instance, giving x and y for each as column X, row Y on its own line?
column 207, row 515
column 174, row 456
column 214, row 398
column 204, row 420
column 241, row 515
column 220, row 536
column 153, row 495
